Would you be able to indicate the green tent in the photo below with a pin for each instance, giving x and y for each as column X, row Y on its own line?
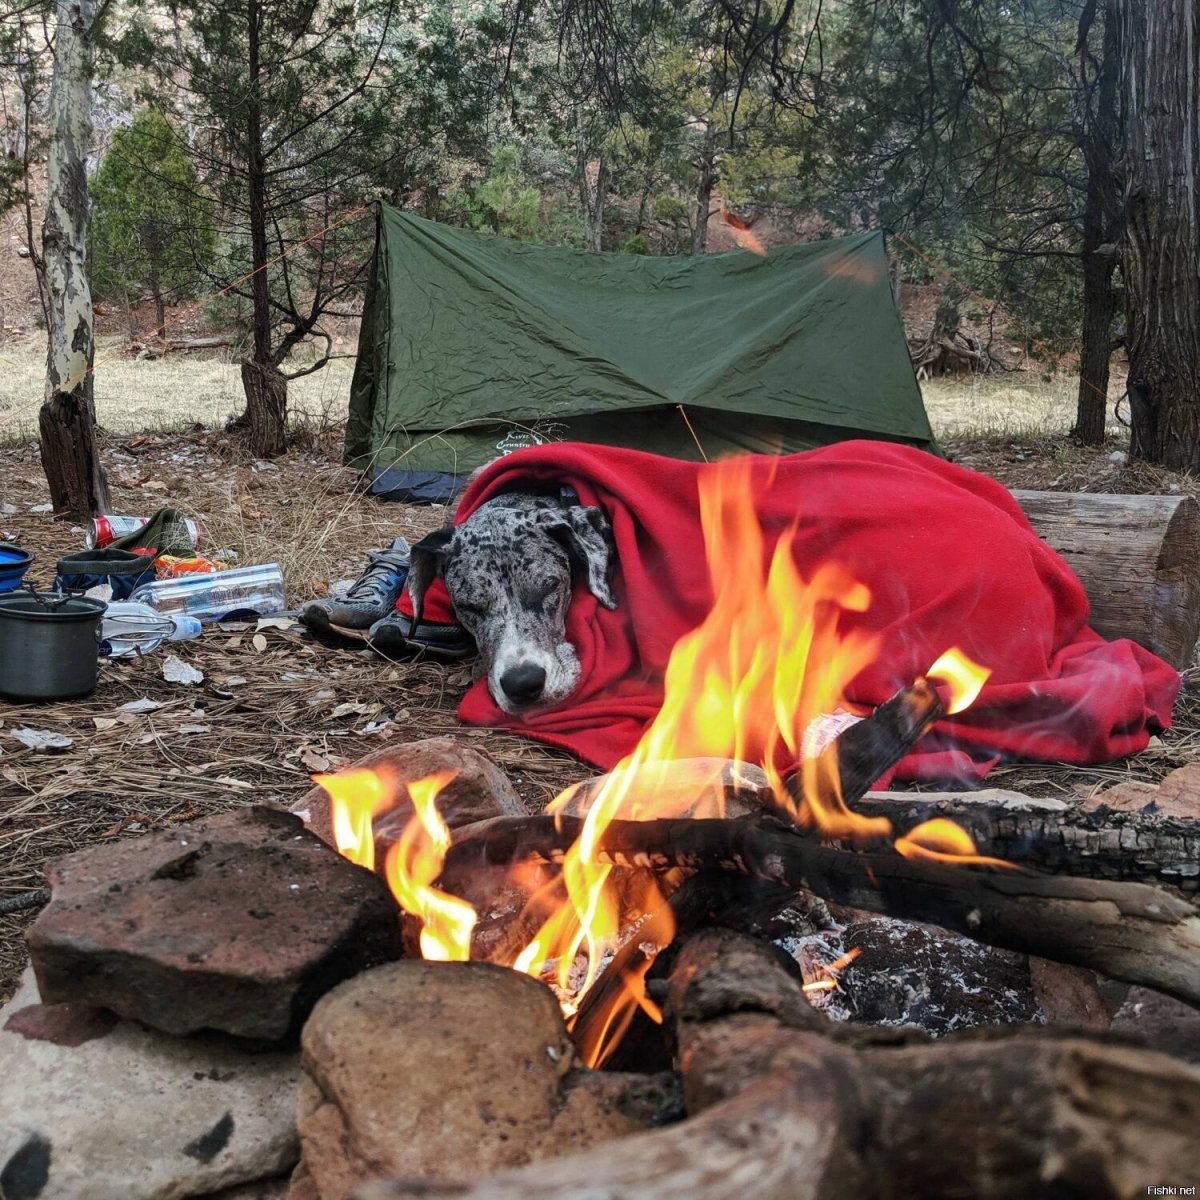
column 473, row 345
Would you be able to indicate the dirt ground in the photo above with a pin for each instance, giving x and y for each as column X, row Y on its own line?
column 275, row 706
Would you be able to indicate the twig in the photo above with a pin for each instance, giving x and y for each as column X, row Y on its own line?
column 24, row 900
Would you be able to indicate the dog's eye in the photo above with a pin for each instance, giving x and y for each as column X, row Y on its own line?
column 547, row 596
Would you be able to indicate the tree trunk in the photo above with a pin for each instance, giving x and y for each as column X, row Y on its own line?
column 592, row 195
column 1160, row 52
column 704, row 188
column 67, row 420
column 1101, row 221
column 1091, row 407
column 265, row 385
column 266, row 402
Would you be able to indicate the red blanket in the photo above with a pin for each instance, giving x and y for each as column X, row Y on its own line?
column 949, row 558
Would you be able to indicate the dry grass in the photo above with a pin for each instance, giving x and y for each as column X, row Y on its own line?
column 170, row 393
column 1028, row 403
column 175, row 392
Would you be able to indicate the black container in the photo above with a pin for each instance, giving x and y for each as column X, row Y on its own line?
column 122, row 570
column 48, row 645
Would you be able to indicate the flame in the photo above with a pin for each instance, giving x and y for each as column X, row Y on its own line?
column 356, row 797
column 964, row 678
column 940, row 840
column 767, row 659
column 827, row 979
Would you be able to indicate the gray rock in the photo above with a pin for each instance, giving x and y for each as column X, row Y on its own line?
column 237, row 923
column 92, row 1108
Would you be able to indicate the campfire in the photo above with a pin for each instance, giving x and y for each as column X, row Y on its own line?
column 762, row 680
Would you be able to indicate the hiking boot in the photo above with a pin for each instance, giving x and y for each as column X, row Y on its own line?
column 393, row 637
column 372, row 596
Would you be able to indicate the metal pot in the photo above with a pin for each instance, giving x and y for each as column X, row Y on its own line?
column 48, row 645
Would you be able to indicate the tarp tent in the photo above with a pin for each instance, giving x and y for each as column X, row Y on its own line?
column 472, row 345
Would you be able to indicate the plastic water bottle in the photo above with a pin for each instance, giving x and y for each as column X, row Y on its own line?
column 222, row 596
column 129, row 628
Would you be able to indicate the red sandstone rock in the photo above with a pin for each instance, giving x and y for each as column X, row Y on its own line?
column 443, row 1071
column 1178, row 795
column 239, row 923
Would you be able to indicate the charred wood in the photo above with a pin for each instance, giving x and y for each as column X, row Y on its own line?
column 1048, row 835
column 1129, row 931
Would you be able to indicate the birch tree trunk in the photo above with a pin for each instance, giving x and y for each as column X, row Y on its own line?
column 1160, row 60
column 67, row 420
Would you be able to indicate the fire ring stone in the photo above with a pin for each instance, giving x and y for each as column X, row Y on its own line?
column 238, row 922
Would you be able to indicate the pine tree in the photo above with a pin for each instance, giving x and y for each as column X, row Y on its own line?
column 152, row 228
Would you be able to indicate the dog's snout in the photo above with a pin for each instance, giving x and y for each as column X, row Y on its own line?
column 523, row 683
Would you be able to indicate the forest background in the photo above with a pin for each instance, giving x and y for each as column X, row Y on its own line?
column 216, row 162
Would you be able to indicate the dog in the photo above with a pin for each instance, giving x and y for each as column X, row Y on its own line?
column 508, row 570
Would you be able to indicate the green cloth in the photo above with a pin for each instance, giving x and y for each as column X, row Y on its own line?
column 166, row 532
column 473, row 344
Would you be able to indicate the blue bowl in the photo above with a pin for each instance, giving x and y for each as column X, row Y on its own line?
column 14, row 562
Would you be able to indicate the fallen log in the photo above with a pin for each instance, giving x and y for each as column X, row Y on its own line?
column 1138, row 558
column 158, row 347
column 1128, row 931
column 785, row 1106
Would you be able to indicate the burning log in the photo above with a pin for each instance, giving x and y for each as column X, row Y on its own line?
column 1138, row 558
column 866, row 750
column 1147, row 836
column 1049, row 835
column 785, row 1105
column 1128, row 931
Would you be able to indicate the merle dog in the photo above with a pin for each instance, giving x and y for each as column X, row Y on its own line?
column 507, row 570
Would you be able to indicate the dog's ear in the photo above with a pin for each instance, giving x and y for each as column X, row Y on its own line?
column 428, row 563
column 585, row 534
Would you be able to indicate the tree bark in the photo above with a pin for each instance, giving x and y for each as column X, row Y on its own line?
column 1091, row 406
column 705, row 182
column 266, row 403
column 67, row 420
column 265, row 385
column 592, row 195
column 1160, row 52
column 1101, row 221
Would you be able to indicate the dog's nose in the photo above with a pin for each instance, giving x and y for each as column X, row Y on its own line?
column 523, row 683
